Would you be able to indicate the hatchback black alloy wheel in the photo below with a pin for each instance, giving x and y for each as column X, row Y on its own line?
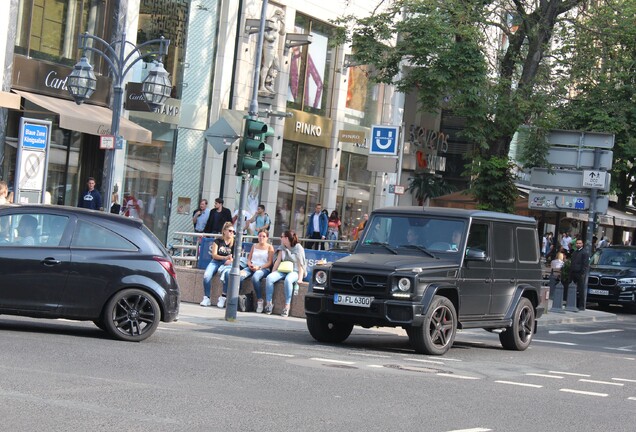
column 132, row 315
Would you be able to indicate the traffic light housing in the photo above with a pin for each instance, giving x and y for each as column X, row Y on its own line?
column 253, row 147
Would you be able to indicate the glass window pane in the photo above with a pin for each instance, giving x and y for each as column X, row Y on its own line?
column 311, row 161
column 358, row 169
column 88, row 235
column 288, row 157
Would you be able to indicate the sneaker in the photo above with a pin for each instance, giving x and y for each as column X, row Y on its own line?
column 221, row 302
column 285, row 313
column 269, row 308
column 259, row 306
column 206, row 301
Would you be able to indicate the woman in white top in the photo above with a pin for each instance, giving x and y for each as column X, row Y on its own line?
column 259, row 263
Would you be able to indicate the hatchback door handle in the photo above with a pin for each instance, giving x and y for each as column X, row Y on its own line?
column 50, row 261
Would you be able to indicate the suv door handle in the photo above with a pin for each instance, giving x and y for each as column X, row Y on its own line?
column 49, row 261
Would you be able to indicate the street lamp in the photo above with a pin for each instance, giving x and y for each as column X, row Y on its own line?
column 156, row 87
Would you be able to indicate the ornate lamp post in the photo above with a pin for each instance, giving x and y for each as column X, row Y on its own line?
column 156, row 87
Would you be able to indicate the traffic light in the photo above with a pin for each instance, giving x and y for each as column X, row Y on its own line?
column 253, row 148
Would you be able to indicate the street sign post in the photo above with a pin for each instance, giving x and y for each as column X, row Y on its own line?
column 567, row 179
column 580, row 158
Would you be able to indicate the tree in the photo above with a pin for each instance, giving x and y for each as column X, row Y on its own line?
column 425, row 185
column 446, row 51
column 602, row 80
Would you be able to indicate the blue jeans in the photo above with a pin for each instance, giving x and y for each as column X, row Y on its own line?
column 245, row 273
column 256, row 281
column 274, row 277
column 332, row 234
column 209, row 273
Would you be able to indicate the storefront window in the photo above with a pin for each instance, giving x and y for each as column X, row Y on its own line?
column 355, row 191
column 49, row 30
column 299, row 187
column 310, row 68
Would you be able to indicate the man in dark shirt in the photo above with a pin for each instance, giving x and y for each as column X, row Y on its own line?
column 579, row 262
column 217, row 218
column 91, row 198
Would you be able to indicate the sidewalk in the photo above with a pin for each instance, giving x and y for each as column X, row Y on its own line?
column 195, row 314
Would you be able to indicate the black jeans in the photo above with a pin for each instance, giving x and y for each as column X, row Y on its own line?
column 316, row 245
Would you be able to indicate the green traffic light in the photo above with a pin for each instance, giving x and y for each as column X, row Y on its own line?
column 253, row 148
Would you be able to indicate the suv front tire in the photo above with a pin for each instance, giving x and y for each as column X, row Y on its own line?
column 437, row 333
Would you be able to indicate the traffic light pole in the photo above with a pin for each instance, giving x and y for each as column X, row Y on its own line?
column 235, row 272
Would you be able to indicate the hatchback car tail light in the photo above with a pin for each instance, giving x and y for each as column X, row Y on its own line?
column 167, row 264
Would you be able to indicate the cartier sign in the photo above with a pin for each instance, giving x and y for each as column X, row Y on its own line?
column 46, row 78
column 170, row 112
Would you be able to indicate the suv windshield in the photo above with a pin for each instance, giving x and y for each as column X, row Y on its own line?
column 614, row 257
column 415, row 234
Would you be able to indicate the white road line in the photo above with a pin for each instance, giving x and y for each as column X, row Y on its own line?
column 569, row 373
column 544, row 375
column 624, row 380
column 332, row 361
column 583, row 392
column 584, row 333
column 273, row 354
column 448, row 375
column 601, row 382
column 631, row 398
column 447, row 359
column 425, row 361
column 520, row 384
column 471, row 430
column 370, row 355
column 375, row 366
column 555, row 342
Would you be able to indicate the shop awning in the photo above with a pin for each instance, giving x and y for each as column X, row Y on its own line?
column 612, row 218
column 86, row 118
column 9, row 100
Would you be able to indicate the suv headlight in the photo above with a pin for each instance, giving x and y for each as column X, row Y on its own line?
column 320, row 277
column 402, row 287
column 627, row 281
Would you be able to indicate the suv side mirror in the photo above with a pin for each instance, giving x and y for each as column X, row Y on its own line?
column 476, row 255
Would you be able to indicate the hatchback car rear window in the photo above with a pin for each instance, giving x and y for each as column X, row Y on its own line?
column 89, row 235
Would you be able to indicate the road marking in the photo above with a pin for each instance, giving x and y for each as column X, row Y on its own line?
column 442, row 374
column 601, row 382
column 544, row 375
column 520, row 384
column 584, row 333
column 447, row 359
column 375, row 366
column 555, row 342
column 273, row 354
column 425, row 361
column 471, row 430
column 583, row 392
column 631, row 398
column 369, row 355
column 570, row 373
column 624, row 379
column 332, row 361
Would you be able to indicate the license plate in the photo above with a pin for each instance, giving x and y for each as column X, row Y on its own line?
column 352, row 300
column 598, row 292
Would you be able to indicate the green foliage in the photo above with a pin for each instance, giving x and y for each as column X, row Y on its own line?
column 603, row 84
column 424, row 186
column 534, row 147
column 494, row 184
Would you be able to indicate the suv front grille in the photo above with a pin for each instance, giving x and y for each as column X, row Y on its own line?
column 608, row 281
column 593, row 280
column 358, row 282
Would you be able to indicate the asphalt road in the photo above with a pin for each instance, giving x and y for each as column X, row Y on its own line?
column 265, row 373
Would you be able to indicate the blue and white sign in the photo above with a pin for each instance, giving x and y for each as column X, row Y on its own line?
column 384, row 140
column 35, row 136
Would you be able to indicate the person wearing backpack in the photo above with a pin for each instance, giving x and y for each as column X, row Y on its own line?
column 260, row 219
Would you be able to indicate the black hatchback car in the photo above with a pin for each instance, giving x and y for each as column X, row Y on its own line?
column 612, row 278
column 66, row 262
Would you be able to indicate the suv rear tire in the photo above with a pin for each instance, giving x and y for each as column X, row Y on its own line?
column 518, row 336
column 437, row 333
column 324, row 330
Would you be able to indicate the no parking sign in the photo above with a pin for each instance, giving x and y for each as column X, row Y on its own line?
column 32, row 160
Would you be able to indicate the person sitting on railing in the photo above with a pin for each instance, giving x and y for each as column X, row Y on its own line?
column 221, row 252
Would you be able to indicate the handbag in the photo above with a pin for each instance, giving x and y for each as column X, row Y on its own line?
column 286, row 267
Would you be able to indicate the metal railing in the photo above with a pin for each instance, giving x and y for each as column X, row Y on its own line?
column 185, row 248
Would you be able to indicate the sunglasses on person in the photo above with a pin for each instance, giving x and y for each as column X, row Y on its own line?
column 231, row 231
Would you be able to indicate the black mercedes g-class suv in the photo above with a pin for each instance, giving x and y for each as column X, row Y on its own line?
column 433, row 271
